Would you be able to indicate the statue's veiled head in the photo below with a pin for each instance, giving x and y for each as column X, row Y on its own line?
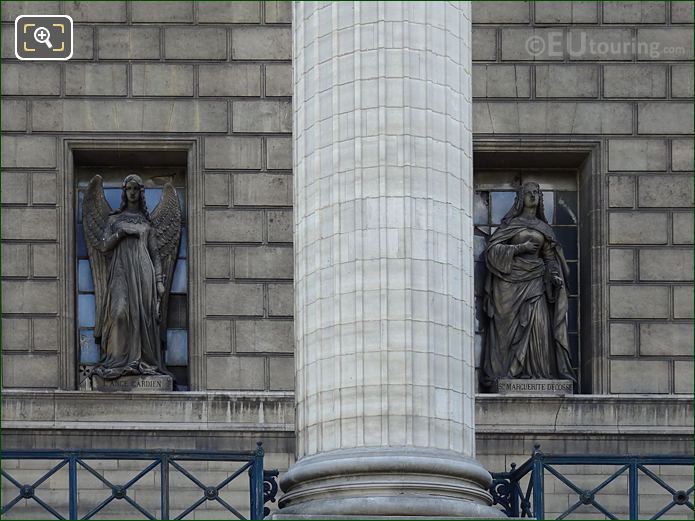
column 528, row 195
column 133, row 192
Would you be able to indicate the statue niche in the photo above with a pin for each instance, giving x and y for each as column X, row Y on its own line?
column 526, row 303
column 132, row 256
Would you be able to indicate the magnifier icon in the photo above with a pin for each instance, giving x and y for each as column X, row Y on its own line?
column 42, row 35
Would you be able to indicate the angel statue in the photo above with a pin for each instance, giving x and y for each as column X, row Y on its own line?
column 132, row 256
column 526, row 296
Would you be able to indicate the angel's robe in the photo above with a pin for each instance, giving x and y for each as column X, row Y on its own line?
column 527, row 312
column 130, row 332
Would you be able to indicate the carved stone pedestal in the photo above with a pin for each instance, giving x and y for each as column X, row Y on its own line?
column 522, row 386
column 137, row 384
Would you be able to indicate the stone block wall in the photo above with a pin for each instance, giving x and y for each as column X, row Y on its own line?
column 216, row 73
column 619, row 74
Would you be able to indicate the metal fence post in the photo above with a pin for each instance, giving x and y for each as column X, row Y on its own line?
column 538, row 483
column 164, row 482
column 256, row 483
column 72, row 476
column 633, row 490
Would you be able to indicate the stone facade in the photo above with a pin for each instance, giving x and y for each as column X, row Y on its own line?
column 604, row 87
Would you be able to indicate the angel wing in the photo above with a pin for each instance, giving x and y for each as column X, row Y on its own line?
column 166, row 221
column 95, row 218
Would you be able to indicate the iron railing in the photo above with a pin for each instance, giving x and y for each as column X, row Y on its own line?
column 527, row 501
column 262, row 484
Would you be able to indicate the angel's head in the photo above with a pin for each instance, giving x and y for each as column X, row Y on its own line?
column 133, row 194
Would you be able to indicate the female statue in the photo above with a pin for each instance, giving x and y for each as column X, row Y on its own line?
column 525, row 296
column 132, row 256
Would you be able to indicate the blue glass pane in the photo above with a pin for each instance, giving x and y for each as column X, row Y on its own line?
column 177, row 347
column 178, row 282
column 81, row 244
column 113, row 196
column 86, row 307
column 501, row 203
column 567, row 237
column 89, row 350
column 566, row 208
column 481, row 201
column 152, row 197
column 572, row 279
column 549, row 206
column 572, row 315
column 84, row 277
column 183, row 244
column 80, row 198
column 182, row 199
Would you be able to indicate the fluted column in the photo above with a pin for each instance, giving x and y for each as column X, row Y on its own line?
column 383, row 262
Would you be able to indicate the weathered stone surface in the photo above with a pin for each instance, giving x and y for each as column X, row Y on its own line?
column 500, row 12
column 263, row 262
column 82, row 43
column 666, row 264
column 15, row 260
column 233, row 372
column 277, row 12
column 551, row 118
column 113, row 11
column 264, row 336
column 29, row 370
column 86, row 115
column 262, row 116
column 605, row 44
column 682, row 12
column 167, row 12
column 217, row 262
column 128, row 43
column 671, row 43
column 279, row 151
column 7, row 39
column 622, row 264
column 634, row 81
column 281, row 373
column 683, row 372
column 683, row 301
column 682, row 228
column 637, row 228
column 484, row 43
column 665, row 118
column 682, row 81
column 96, row 79
column 641, row 155
column 195, row 43
column 278, row 79
column 665, row 191
column 218, row 336
column 280, row 226
column 216, row 189
column 229, row 80
column 547, row 44
column 233, row 152
column 28, row 151
column 30, row 79
column 565, row 12
column 682, row 155
column 623, row 377
column 634, row 12
column 262, row 43
column 44, row 189
column 621, row 191
column 12, row 9
column 15, row 331
column 233, row 226
column 534, row 386
column 233, row 299
column 262, row 190
column 501, row 81
column 159, row 79
column 29, row 223
column 229, row 12
column 29, row 296
column 14, row 115
column 134, row 384
column 44, row 260
column 566, row 81
column 622, row 339
column 280, row 300
column 635, row 301
column 15, row 187
column 46, row 334
column 673, row 339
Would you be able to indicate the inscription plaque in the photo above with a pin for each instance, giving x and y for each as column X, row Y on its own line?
column 534, row 386
column 134, row 383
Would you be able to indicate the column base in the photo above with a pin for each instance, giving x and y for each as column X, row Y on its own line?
column 391, row 483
